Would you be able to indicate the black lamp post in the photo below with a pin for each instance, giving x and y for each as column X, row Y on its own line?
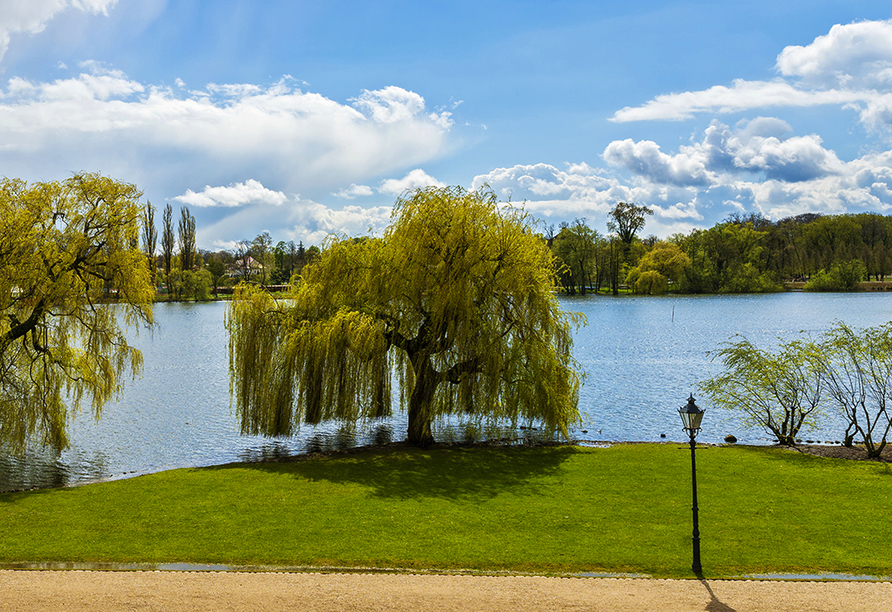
column 691, row 415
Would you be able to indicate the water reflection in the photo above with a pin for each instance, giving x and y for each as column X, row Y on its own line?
column 34, row 469
column 42, row 468
column 266, row 452
column 342, row 438
column 383, row 434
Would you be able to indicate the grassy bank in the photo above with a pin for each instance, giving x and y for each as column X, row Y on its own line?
column 553, row 509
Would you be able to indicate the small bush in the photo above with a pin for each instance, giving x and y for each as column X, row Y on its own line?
column 841, row 277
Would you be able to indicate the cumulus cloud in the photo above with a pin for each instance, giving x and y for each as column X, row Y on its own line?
column 238, row 194
column 296, row 219
column 554, row 195
column 538, row 182
column 763, row 146
column 31, row 16
column 174, row 138
column 851, row 66
column 755, row 166
column 317, row 221
column 678, row 211
column 645, row 158
column 792, row 160
column 393, row 104
column 390, row 104
column 416, row 179
column 853, row 55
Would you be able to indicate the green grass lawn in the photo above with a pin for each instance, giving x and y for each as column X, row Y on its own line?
column 543, row 510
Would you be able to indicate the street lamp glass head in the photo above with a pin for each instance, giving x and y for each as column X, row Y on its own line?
column 691, row 415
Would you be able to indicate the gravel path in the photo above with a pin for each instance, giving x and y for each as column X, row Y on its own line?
column 24, row 591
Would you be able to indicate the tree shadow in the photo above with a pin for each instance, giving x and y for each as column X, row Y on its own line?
column 441, row 471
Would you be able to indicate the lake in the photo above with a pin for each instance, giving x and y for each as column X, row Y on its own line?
column 642, row 357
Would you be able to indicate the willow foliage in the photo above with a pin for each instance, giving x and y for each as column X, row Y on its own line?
column 456, row 299
column 781, row 391
column 857, row 369
column 65, row 247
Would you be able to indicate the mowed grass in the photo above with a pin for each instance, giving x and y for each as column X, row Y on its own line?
column 559, row 509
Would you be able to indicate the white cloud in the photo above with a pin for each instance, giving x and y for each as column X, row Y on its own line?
column 416, row 179
column 31, row 16
column 554, row 194
column 238, row 194
column 393, row 104
column 793, row 160
column 353, row 191
column 296, row 219
column 645, row 158
column 532, row 182
column 762, row 146
column 579, row 191
column 317, row 221
column 857, row 54
column 677, row 211
column 174, row 139
column 851, row 67
column 744, row 95
column 876, row 114
column 757, row 166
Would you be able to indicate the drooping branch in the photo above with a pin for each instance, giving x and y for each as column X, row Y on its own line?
column 65, row 246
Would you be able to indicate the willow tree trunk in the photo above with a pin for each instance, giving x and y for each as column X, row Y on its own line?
column 426, row 381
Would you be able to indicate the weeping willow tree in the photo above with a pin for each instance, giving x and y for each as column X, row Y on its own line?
column 781, row 391
column 66, row 249
column 456, row 300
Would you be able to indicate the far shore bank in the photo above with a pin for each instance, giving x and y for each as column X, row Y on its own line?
column 224, row 293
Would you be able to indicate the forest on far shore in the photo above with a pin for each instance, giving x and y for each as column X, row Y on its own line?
column 743, row 254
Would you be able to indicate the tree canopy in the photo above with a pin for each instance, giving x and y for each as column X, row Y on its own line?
column 65, row 249
column 780, row 391
column 456, row 300
column 626, row 220
column 577, row 246
column 665, row 262
column 857, row 370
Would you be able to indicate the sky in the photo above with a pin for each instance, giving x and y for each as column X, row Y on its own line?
column 307, row 118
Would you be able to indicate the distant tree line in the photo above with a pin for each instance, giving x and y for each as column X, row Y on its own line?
column 183, row 271
column 743, row 254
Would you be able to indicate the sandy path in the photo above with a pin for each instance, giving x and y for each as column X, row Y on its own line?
column 181, row 591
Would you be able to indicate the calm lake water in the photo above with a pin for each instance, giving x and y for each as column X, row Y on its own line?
column 642, row 357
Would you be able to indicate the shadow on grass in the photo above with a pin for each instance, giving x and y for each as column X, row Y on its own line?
column 448, row 472
column 15, row 496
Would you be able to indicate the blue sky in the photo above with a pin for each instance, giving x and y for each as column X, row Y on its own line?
column 310, row 118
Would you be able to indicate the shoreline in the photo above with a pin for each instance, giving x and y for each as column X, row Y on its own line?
column 854, row 453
